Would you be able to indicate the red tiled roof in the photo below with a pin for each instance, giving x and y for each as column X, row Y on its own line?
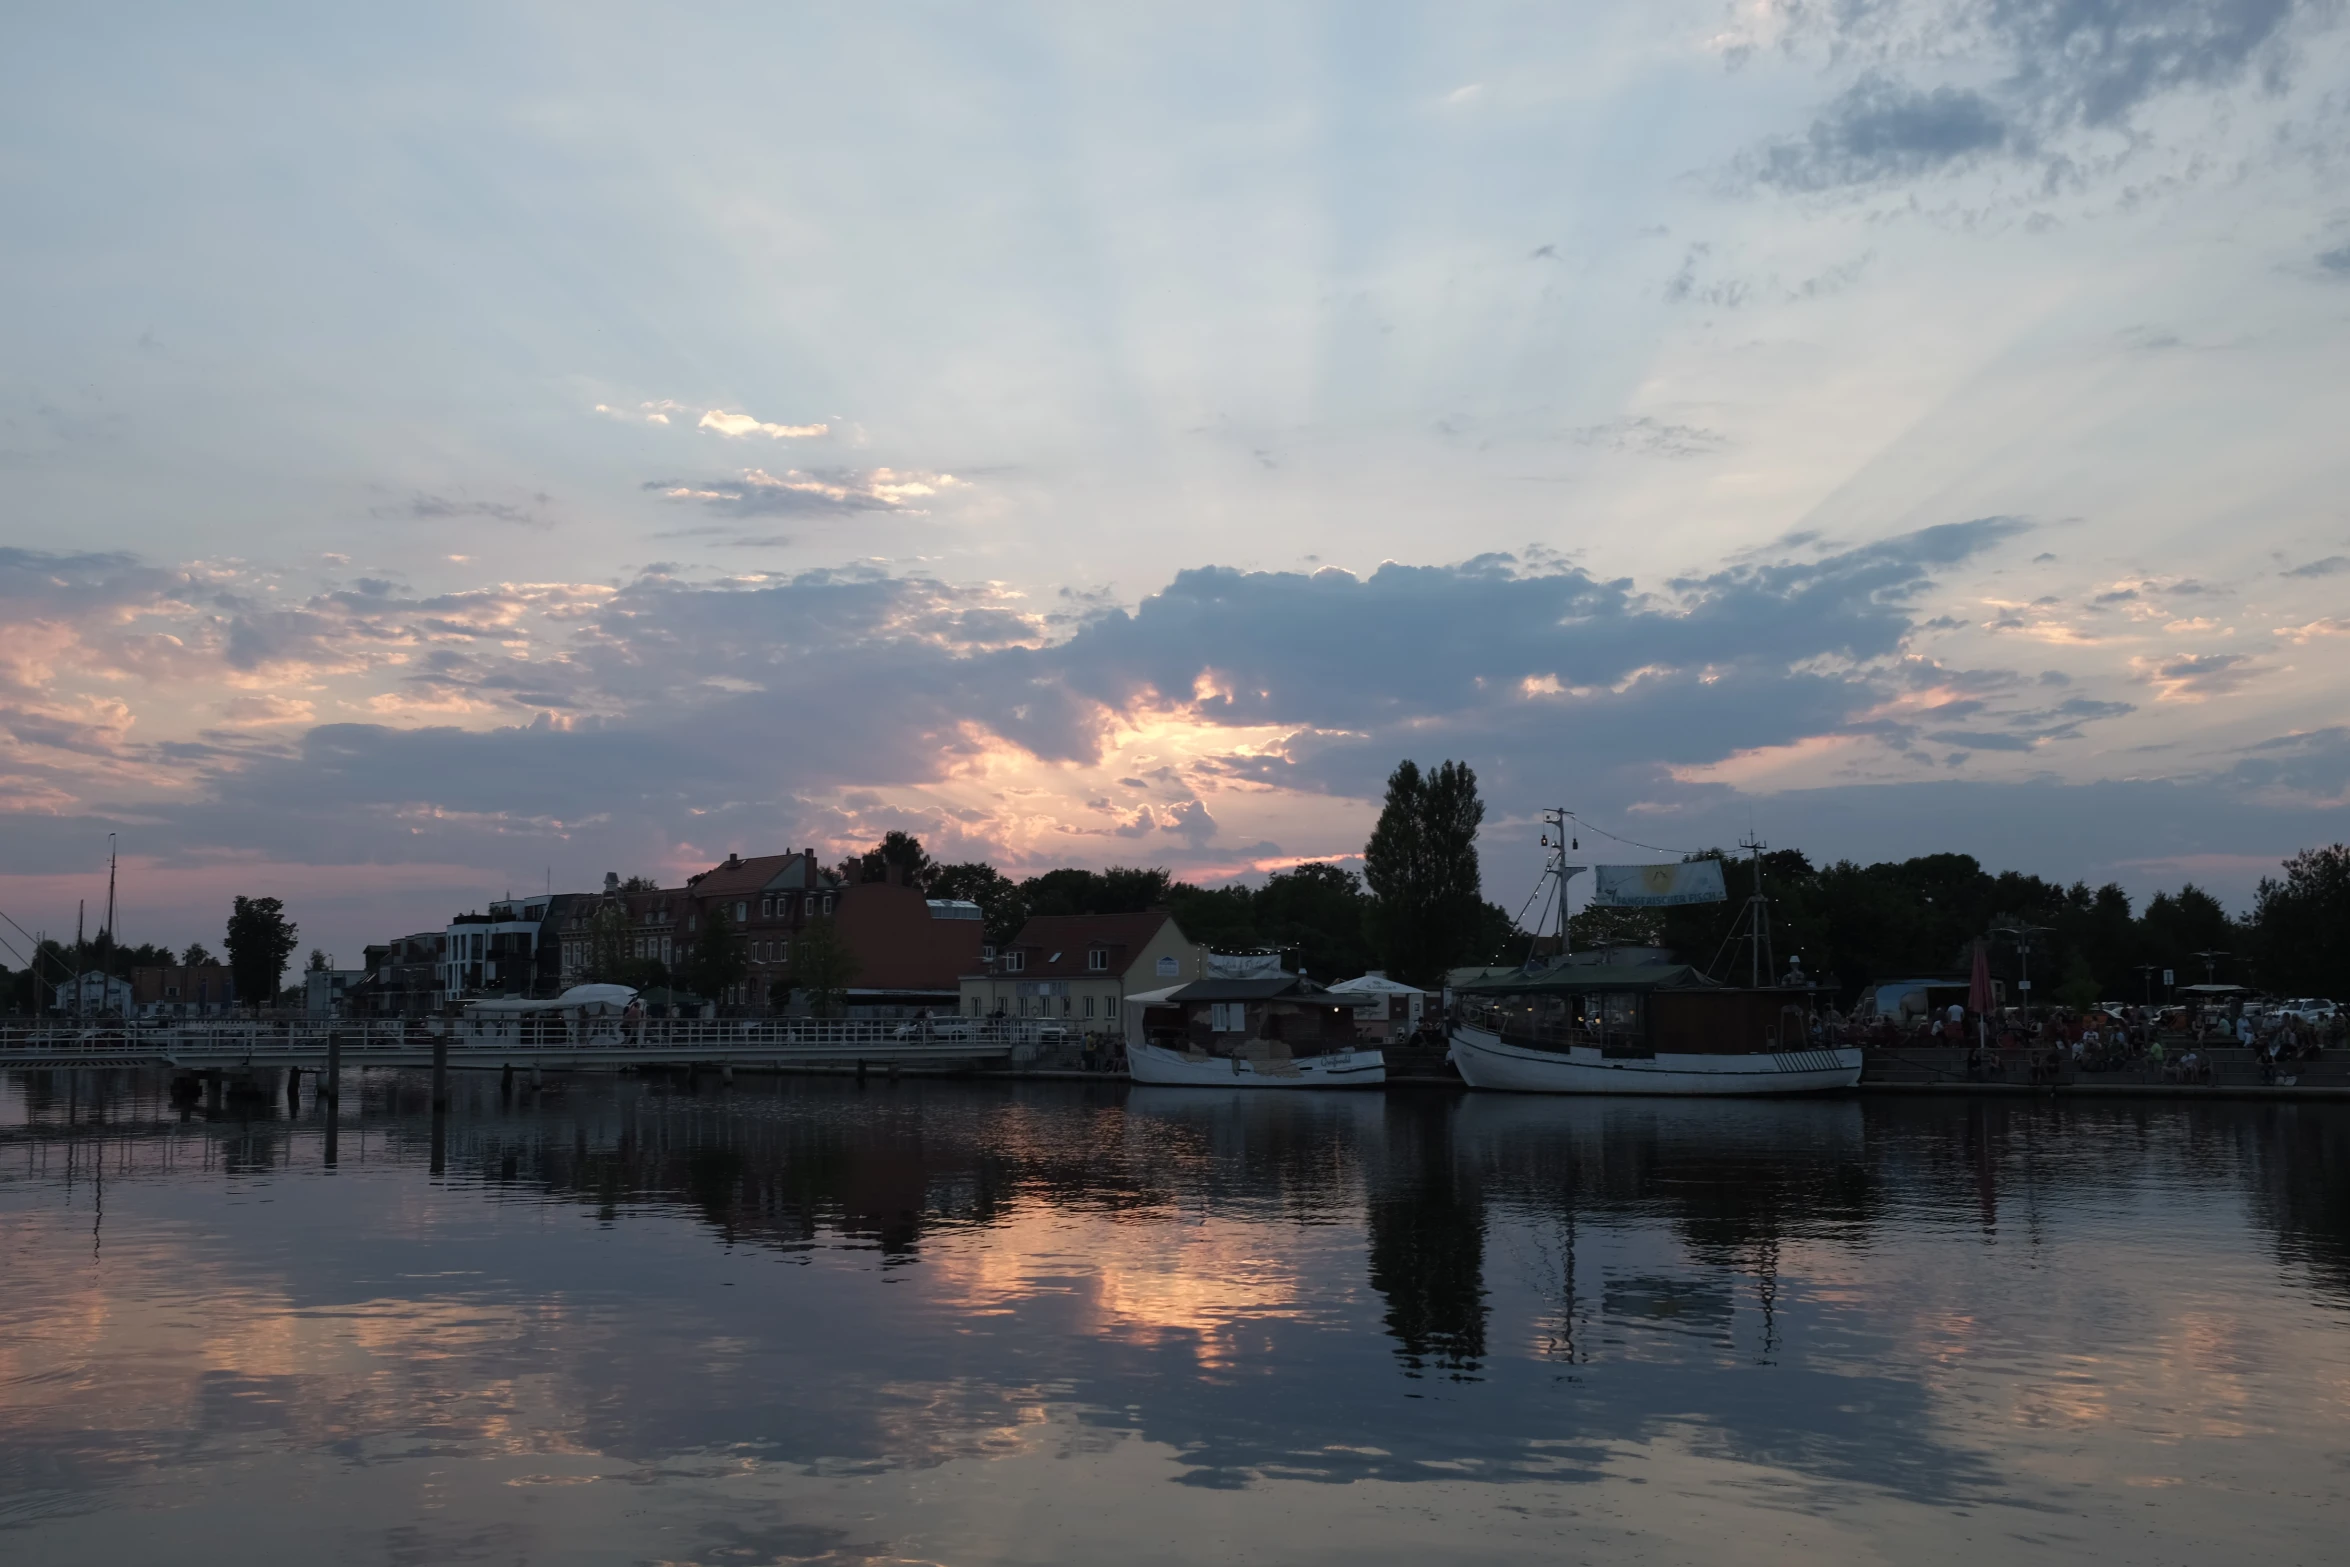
column 743, row 876
column 1073, row 935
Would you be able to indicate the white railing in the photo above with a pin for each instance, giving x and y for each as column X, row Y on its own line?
column 525, row 1036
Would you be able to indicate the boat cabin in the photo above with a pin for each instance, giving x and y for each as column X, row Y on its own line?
column 1637, row 1010
column 1265, row 1015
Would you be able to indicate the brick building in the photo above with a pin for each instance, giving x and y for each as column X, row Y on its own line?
column 910, row 951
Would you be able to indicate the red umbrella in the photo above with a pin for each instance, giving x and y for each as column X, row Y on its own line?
column 1978, row 990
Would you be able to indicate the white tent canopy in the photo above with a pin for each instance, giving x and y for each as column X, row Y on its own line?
column 1377, row 983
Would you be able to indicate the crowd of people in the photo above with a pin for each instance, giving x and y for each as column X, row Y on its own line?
column 2042, row 1045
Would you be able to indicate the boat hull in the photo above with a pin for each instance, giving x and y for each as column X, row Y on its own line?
column 1485, row 1060
column 1174, row 1069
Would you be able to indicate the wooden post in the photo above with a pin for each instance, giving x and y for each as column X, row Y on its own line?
column 440, row 1071
column 293, row 1088
column 330, row 1087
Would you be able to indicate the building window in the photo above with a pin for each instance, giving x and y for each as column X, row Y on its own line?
column 828, row 903
column 1098, row 960
column 1015, row 960
column 1228, row 1017
column 1089, row 1006
column 742, row 913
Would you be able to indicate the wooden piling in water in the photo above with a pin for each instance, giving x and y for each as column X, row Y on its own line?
column 440, row 1072
column 330, row 1087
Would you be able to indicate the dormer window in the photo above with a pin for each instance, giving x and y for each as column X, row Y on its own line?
column 1097, row 960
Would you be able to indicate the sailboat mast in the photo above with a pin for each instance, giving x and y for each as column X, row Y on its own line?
column 112, row 936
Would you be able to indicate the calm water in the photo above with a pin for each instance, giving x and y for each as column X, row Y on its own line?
column 796, row 1321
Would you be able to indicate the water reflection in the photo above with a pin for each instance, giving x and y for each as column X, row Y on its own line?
column 1850, row 1312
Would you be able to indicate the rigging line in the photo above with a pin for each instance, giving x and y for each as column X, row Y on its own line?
column 1656, row 848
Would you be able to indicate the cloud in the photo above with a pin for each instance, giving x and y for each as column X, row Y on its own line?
column 1647, row 437
column 2194, row 677
column 738, row 425
column 646, row 413
column 2031, row 76
column 1878, row 129
column 820, row 492
column 2331, row 566
column 2336, row 261
column 434, row 508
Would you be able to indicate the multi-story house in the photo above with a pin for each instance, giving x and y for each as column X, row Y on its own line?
column 513, row 950
column 1081, row 967
column 183, row 990
column 403, row 976
column 907, row 952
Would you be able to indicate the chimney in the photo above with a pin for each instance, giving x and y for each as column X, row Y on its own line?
column 611, row 883
column 733, row 859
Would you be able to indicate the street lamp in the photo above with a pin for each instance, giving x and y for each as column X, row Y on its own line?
column 2023, row 935
column 2149, row 970
column 2211, row 957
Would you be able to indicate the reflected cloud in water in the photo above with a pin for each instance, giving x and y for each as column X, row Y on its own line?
column 1866, row 1312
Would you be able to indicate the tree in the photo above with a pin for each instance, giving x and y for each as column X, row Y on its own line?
column 998, row 897
column 717, row 963
column 195, row 956
column 1316, row 910
column 319, row 961
column 1121, row 889
column 260, row 939
column 2301, row 925
column 1421, row 864
column 824, row 965
column 901, row 852
column 609, row 961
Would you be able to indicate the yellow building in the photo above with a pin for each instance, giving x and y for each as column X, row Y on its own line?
column 1079, row 968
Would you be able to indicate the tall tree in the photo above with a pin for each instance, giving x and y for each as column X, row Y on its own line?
column 260, row 939
column 1316, row 910
column 824, row 965
column 897, row 851
column 1421, row 864
column 998, row 896
column 196, row 955
column 717, row 962
column 2302, row 925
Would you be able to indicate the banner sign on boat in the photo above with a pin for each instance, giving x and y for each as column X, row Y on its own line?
column 1658, row 886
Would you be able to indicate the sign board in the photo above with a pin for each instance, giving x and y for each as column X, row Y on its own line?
column 1658, row 886
column 2023, row 984
column 2167, row 979
column 1169, row 968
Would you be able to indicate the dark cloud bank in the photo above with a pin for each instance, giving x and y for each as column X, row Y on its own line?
column 2049, row 69
column 714, row 713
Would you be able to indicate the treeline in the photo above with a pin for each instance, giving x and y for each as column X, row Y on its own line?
column 1852, row 924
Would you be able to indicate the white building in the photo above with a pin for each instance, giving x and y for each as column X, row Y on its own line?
column 98, row 994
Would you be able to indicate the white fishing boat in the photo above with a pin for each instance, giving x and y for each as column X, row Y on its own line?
column 1248, row 1024
column 1586, row 1025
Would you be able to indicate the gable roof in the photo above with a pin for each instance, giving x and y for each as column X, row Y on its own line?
column 739, row 877
column 1272, row 987
column 1071, row 936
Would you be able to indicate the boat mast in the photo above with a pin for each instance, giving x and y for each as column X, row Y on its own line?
column 1555, row 866
column 112, row 938
column 1758, row 914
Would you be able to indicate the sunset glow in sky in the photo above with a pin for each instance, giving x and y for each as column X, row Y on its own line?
column 458, row 448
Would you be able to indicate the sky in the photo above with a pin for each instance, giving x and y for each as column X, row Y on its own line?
column 463, row 450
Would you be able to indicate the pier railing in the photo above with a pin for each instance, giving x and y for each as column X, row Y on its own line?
column 527, row 1039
